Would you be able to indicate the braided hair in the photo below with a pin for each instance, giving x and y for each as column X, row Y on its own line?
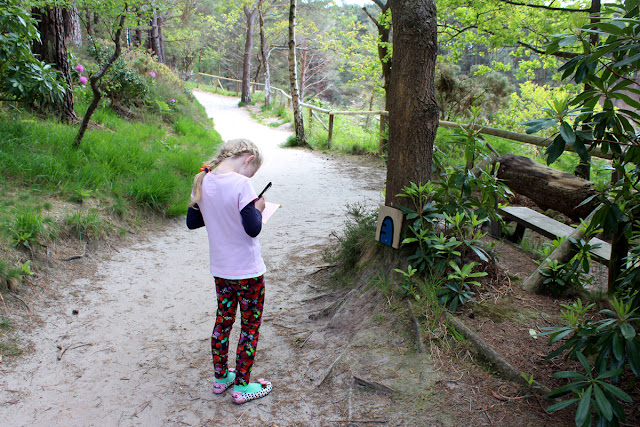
column 230, row 149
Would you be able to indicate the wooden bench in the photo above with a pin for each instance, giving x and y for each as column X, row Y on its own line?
column 548, row 227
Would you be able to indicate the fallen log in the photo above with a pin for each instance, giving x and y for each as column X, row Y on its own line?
column 548, row 188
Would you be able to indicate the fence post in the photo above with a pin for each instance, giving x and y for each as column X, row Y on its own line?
column 330, row 130
column 382, row 129
column 310, row 119
column 198, row 81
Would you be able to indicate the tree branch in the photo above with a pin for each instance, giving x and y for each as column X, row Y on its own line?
column 541, row 6
column 559, row 54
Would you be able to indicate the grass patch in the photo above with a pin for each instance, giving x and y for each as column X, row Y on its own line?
column 357, row 244
column 8, row 341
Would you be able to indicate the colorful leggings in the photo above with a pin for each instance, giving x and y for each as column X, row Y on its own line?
column 250, row 294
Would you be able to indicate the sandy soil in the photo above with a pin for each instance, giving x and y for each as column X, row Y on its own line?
column 136, row 325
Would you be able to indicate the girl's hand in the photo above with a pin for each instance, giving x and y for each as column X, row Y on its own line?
column 260, row 204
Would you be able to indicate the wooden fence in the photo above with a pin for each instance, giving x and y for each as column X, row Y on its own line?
column 513, row 136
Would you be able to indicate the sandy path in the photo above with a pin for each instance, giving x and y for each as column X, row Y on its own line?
column 147, row 312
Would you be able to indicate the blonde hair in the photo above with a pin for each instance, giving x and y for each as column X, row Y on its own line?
column 230, row 149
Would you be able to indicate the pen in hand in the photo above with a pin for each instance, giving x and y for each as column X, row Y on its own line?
column 265, row 190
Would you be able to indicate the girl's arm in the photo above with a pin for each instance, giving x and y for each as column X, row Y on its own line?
column 251, row 219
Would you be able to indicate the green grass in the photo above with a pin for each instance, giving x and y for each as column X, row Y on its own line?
column 124, row 170
column 149, row 164
column 8, row 341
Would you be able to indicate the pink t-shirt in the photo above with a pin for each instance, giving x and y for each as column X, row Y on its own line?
column 233, row 253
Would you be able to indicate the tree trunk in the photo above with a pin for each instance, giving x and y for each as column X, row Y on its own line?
column 162, row 57
column 88, row 24
column 548, row 188
column 583, row 169
column 384, row 51
column 413, row 110
column 52, row 50
column 154, row 37
column 246, row 61
column 265, row 57
column 304, row 65
column 95, row 79
column 293, row 77
column 72, row 30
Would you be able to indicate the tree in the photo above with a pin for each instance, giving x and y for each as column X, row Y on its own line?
column 52, row 49
column 413, row 110
column 293, row 77
column 383, row 24
column 25, row 78
column 246, row 62
column 609, row 70
column 94, row 79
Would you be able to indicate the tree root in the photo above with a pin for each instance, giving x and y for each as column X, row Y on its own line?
column 506, row 369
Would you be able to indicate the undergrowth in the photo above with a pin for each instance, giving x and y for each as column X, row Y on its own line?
column 125, row 169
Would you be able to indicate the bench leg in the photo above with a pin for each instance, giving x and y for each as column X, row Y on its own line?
column 517, row 235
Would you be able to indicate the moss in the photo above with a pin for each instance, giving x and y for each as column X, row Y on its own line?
column 505, row 309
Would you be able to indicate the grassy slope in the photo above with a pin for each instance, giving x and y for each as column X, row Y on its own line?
column 123, row 170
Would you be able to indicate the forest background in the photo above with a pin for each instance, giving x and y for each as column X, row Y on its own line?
column 126, row 69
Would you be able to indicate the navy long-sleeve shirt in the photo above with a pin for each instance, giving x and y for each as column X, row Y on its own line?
column 251, row 219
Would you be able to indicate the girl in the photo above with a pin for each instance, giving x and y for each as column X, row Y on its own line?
column 232, row 214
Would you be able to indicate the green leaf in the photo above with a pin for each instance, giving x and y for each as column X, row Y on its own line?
column 627, row 61
column 584, row 362
column 555, row 150
column 561, row 405
column 627, row 331
column 569, row 374
column 567, row 133
column 583, row 410
column 603, row 403
column 633, row 356
column 616, row 392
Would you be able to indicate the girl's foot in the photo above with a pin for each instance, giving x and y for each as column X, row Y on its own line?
column 251, row 391
column 222, row 384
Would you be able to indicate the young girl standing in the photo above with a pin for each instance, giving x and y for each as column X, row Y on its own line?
column 232, row 214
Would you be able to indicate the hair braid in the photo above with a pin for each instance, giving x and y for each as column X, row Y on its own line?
column 230, row 149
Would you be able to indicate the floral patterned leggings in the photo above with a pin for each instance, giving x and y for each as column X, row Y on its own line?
column 249, row 293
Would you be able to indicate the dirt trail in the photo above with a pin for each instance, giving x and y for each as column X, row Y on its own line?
column 145, row 316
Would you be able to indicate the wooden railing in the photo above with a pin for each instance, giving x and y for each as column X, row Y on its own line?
column 513, row 136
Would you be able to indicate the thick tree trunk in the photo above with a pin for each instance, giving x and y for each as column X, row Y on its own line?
column 53, row 50
column 72, row 30
column 548, row 188
column 293, row 77
column 246, row 61
column 413, row 110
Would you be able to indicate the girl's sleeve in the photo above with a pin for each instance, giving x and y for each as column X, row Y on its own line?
column 251, row 219
column 246, row 194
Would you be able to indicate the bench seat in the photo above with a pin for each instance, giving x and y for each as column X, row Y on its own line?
column 549, row 227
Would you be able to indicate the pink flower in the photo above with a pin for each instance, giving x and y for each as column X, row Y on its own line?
column 83, row 80
column 172, row 101
column 79, row 68
column 152, row 74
